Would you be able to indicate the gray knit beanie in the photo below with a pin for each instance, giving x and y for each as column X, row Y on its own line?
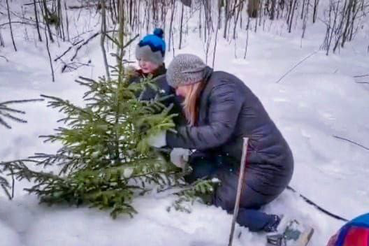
column 185, row 69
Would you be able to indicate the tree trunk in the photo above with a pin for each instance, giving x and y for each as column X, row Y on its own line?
column 226, row 18
column 47, row 18
column 253, row 8
column 315, row 11
column 102, row 38
column 181, row 28
column 49, row 55
column 171, row 24
column 10, row 25
column 216, row 32
column 272, row 9
column 292, row 15
column 1, row 40
column 37, row 22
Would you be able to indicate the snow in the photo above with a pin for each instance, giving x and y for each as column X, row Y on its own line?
column 312, row 104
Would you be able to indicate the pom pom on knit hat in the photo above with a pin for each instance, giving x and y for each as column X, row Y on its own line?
column 152, row 47
column 159, row 32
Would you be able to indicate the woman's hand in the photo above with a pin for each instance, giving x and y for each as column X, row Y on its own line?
column 179, row 157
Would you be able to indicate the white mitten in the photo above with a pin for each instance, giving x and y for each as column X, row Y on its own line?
column 158, row 140
column 179, row 157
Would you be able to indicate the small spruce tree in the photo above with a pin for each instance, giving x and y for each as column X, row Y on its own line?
column 105, row 159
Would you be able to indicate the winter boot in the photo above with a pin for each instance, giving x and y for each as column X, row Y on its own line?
column 290, row 233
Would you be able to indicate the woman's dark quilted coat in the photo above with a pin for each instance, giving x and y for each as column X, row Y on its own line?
column 228, row 112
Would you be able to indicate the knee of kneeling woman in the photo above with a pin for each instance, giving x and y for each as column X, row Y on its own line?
column 224, row 198
column 223, row 202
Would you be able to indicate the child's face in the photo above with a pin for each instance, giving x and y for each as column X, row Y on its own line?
column 147, row 66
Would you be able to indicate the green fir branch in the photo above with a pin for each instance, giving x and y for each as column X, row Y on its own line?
column 201, row 190
column 10, row 113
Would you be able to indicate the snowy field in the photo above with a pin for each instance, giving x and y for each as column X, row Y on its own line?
column 314, row 106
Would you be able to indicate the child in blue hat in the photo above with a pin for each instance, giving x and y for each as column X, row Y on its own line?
column 150, row 53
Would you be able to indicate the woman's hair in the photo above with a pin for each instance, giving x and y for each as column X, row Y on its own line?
column 190, row 102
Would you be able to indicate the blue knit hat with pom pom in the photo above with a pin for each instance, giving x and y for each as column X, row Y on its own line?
column 152, row 47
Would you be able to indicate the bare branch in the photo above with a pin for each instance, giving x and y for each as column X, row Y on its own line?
column 84, row 43
column 4, row 58
column 361, row 76
column 299, row 63
column 350, row 141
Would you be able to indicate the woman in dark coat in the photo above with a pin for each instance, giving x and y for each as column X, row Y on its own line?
column 221, row 110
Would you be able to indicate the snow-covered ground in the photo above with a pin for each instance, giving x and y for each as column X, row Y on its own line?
column 312, row 105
